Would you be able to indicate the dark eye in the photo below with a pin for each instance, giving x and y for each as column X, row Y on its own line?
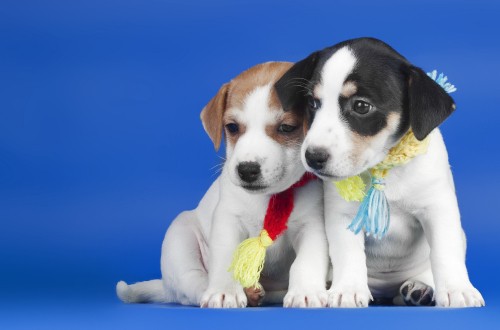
column 362, row 107
column 314, row 103
column 232, row 128
column 284, row 128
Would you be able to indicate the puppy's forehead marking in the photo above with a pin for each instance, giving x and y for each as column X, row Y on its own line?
column 252, row 96
column 336, row 70
column 329, row 129
column 256, row 107
column 260, row 75
column 253, row 106
column 349, row 89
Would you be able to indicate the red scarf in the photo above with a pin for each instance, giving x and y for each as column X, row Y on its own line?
column 249, row 257
column 281, row 206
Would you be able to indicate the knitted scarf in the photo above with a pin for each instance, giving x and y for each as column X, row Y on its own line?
column 249, row 257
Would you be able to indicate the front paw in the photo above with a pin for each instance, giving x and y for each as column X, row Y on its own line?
column 349, row 297
column 459, row 296
column 302, row 299
column 224, row 298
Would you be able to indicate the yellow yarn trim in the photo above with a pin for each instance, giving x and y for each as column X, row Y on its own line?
column 353, row 188
column 408, row 148
column 248, row 259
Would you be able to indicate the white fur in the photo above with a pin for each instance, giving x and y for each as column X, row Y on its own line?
column 199, row 245
column 279, row 165
column 327, row 130
column 425, row 241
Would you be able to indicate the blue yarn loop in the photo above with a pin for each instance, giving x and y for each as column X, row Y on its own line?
column 373, row 214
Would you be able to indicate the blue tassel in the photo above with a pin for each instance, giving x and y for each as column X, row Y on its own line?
column 373, row 213
column 442, row 81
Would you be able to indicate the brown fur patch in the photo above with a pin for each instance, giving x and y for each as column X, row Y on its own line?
column 349, row 89
column 305, row 125
column 361, row 143
column 287, row 118
column 232, row 138
column 259, row 75
column 317, row 92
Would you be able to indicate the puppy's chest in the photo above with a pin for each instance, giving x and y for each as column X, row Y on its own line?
column 404, row 186
column 399, row 193
column 401, row 228
column 252, row 218
column 403, row 244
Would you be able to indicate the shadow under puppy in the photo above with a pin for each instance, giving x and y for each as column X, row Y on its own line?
column 362, row 98
column 262, row 158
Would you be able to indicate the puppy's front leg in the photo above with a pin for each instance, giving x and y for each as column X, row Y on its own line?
column 223, row 291
column 441, row 223
column 347, row 252
column 307, row 283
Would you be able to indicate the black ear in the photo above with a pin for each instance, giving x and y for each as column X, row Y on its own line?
column 429, row 104
column 292, row 86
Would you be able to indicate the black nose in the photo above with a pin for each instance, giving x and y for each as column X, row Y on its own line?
column 316, row 158
column 249, row 171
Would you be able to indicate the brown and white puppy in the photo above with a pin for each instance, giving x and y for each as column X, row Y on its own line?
column 362, row 97
column 262, row 158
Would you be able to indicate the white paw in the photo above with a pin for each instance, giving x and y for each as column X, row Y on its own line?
column 229, row 298
column 349, row 297
column 459, row 296
column 302, row 299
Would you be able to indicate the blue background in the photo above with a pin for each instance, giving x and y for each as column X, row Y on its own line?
column 101, row 144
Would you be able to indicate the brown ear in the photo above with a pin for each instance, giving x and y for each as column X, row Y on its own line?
column 212, row 113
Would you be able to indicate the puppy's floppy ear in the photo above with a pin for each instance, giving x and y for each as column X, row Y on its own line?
column 429, row 104
column 291, row 87
column 212, row 114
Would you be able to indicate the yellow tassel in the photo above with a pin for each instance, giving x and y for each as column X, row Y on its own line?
column 351, row 189
column 248, row 260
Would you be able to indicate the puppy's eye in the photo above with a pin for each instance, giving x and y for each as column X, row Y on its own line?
column 232, row 128
column 314, row 103
column 284, row 128
column 362, row 107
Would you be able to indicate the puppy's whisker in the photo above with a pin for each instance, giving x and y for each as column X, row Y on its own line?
column 301, row 78
column 217, row 170
column 306, row 89
column 217, row 166
column 296, row 82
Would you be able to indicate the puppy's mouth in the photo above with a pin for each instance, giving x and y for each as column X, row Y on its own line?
column 329, row 176
column 254, row 188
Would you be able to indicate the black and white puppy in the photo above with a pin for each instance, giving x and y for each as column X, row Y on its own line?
column 361, row 97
